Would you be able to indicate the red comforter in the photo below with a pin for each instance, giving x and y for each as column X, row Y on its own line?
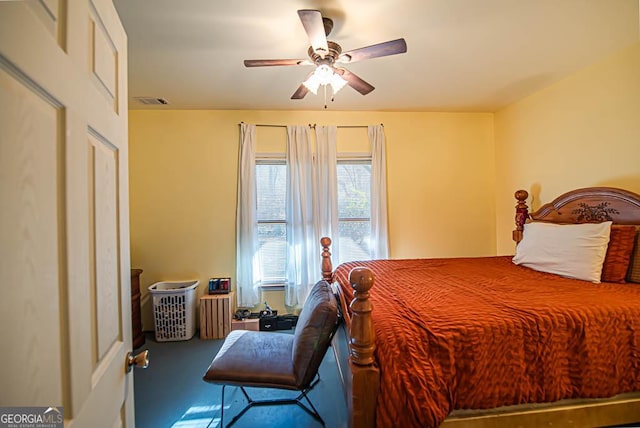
column 478, row 333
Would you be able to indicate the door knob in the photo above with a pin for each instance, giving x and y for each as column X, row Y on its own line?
column 140, row 360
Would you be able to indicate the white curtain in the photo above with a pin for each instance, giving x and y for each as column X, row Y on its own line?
column 303, row 249
column 379, row 236
column 247, row 261
column 326, row 185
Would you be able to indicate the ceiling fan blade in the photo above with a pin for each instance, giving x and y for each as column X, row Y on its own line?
column 312, row 23
column 275, row 62
column 354, row 81
column 391, row 47
column 300, row 92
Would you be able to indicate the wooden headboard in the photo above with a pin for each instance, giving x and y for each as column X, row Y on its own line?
column 588, row 205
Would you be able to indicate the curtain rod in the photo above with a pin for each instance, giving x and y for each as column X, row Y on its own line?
column 346, row 126
column 313, row 126
column 268, row 126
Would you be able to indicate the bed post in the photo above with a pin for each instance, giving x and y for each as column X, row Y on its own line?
column 327, row 268
column 522, row 214
column 366, row 376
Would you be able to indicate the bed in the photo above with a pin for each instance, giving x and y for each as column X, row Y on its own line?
column 485, row 342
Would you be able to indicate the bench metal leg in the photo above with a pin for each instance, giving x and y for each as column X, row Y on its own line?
column 284, row 401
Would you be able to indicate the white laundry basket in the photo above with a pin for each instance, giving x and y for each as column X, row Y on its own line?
column 174, row 309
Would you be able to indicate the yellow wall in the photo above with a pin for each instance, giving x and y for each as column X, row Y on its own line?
column 183, row 176
column 450, row 179
column 583, row 131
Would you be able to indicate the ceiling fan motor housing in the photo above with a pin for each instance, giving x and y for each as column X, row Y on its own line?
column 329, row 58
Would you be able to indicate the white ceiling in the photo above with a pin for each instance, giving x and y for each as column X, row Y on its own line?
column 462, row 55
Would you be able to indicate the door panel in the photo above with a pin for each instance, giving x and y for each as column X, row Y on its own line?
column 104, row 203
column 29, row 265
column 64, row 231
column 104, row 59
column 48, row 12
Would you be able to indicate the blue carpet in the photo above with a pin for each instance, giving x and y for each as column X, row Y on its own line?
column 170, row 393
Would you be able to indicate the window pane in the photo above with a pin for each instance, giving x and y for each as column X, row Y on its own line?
column 354, row 190
column 271, row 180
column 272, row 240
column 354, row 240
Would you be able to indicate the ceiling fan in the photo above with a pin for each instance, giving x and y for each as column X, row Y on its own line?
column 326, row 55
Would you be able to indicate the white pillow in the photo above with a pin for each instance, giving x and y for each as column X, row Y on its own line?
column 572, row 250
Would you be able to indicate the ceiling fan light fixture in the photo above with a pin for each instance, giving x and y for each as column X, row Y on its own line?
column 312, row 83
column 337, row 82
column 324, row 75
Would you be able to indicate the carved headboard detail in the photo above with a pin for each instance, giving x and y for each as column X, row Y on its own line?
column 588, row 205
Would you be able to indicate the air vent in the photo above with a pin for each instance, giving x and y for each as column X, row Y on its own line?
column 152, row 101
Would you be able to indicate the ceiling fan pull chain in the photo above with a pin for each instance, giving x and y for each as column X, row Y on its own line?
column 325, row 95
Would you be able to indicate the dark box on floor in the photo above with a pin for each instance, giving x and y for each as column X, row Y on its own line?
column 282, row 322
column 268, row 323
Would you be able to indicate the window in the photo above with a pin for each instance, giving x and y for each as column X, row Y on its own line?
column 354, row 209
column 354, row 214
column 271, row 188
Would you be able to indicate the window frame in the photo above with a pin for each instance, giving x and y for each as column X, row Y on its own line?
column 272, row 159
column 354, row 159
column 365, row 158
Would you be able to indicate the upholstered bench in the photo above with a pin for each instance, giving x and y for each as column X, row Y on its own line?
column 279, row 360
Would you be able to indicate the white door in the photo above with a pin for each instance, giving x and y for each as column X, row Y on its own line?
column 64, row 231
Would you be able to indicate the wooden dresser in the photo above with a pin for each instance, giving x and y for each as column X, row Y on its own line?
column 137, row 336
